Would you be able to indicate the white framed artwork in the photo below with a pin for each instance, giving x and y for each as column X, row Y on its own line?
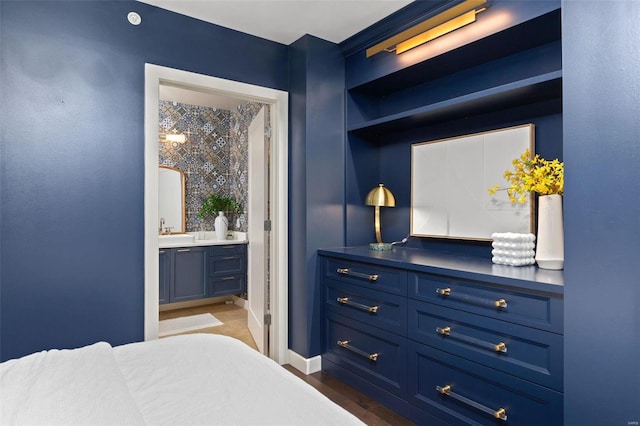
column 450, row 179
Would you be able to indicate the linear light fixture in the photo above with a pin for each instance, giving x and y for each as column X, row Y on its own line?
column 455, row 17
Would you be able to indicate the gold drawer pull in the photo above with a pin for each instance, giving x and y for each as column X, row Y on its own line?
column 498, row 303
column 346, row 271
column 443, row 291
column 444, row 331
column 345, row 344
column 497, row 347
column 500, row 413
column 346, row 301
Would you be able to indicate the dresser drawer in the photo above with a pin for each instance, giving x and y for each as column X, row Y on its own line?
column 371, row 353
column 381, row 278
column 384, row 310
column 532, row 309
column 462, row 392
column 528, row 353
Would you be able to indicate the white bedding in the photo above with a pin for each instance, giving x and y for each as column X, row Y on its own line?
column 66, row 387
column 196, row 379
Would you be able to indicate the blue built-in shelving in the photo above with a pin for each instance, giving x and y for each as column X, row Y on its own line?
column 505, row 70
column 510, row 77
column 528, row 91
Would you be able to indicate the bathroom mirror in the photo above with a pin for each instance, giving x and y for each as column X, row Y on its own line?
column 171, row 200
column 450, row 179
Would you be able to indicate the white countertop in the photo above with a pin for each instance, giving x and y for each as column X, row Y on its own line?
column 208, row 239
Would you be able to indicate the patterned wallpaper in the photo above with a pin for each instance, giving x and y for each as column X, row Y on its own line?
column 215, row 156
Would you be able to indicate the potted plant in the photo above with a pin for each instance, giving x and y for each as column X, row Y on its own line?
column 215, row 203
column 545, row 178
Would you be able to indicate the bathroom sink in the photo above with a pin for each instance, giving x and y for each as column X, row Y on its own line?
column 177, row 239
column 206, row 235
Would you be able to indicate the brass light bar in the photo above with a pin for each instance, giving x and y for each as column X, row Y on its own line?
column 436, row 32
column 431, row 28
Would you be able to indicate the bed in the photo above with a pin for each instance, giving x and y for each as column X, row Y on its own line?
column 195, row 379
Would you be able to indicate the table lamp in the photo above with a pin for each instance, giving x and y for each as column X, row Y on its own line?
column 379, row 197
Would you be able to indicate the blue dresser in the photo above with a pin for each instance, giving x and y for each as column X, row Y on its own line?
column 444, row 339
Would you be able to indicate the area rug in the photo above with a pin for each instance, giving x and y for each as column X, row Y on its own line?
column 182, row 324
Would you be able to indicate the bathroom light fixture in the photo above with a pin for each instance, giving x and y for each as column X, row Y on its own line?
column 173, row 137
column 379, row 197
column 463, row 13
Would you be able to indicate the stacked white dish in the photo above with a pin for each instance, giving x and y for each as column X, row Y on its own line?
column 510, row 248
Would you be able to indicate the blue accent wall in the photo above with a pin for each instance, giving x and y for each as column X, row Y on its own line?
column 71, row 178
column 72, row 219
column 316, row 179
column 602, row 212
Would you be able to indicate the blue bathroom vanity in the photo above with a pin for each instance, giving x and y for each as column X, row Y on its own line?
column 202, row 269
column 443, row 338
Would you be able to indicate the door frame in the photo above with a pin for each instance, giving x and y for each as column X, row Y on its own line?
column 278, row 101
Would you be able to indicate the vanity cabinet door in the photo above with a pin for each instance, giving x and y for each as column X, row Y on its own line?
column 165, row 275
column 188, row 274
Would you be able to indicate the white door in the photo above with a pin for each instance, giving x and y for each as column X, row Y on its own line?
column 258, row 243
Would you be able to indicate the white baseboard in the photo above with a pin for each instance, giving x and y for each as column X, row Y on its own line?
column 239, row 301
column 304, row 365
column 191, row 303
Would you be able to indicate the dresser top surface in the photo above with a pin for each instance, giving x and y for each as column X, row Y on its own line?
column 455, row 265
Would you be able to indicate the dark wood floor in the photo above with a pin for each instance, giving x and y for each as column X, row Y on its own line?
column 358, row 404
column 235, row 325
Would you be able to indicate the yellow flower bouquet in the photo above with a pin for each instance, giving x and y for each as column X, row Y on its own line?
column 532, row 175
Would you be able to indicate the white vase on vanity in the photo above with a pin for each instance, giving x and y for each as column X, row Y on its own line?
column 221, row 225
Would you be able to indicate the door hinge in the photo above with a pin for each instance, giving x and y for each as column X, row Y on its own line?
column 267, row 225
column 267, row 319
column 267, row 131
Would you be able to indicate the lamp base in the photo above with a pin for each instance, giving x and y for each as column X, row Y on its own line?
column 380, row 246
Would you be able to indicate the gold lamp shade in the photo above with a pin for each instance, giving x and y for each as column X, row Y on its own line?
column 379, row 197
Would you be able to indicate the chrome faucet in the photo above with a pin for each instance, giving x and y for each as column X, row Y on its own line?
column 161, row 225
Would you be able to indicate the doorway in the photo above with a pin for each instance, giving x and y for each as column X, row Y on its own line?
column 155, row 76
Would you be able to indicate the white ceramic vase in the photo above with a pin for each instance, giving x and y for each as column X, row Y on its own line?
column 550, row 241
column 221, row 225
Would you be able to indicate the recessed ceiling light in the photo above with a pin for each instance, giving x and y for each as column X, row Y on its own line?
column 134, row 18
